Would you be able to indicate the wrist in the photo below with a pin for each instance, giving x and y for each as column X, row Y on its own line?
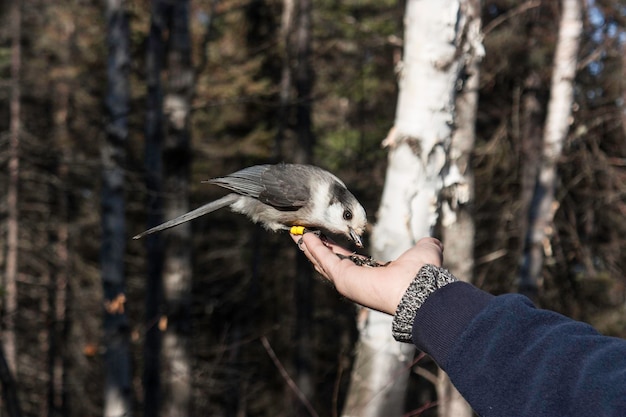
column 428, row 280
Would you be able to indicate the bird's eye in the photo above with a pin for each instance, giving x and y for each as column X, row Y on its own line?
column 347, row 215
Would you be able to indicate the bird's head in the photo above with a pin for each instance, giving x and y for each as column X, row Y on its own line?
column 345, row 215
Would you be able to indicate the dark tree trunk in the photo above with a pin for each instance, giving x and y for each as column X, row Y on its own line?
column 168, row 160
column 9, row 388
column 58, row 288
column 530, row 130
column 154, row 244
column 304, row 82
column 286, row 77
column 304, row 154
column 11, row 266
column 118, row 387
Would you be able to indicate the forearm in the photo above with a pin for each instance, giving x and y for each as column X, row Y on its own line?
column 508, row 358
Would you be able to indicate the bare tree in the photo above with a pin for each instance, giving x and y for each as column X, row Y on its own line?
column 304, row 154
column 118, row 385
column 58, row 355
column 9, row 388
column 153, row 131
column 558, row 121
column 295, row 38
column 457, row 220
column 11, row 271
column 418, row 163
column 286, row 77
column 176, row 355
column 527, row 129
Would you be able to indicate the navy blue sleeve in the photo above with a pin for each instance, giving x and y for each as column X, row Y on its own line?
column 508, row 358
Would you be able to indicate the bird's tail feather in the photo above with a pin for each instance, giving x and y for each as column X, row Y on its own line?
column 200, row 211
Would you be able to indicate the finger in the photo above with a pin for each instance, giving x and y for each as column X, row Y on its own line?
column 324, row 255
column 299, row 240
column 319, row 243
column 324, row 250
column 427, row 251
column 432, row 243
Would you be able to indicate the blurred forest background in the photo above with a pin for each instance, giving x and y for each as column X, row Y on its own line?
column 260, row 91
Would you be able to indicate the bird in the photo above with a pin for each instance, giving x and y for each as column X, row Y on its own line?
column 280, row 196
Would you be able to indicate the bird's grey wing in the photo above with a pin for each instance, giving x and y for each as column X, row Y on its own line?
column 283, row 186
column 286, row 186
column 200, row 211
column 247, row 181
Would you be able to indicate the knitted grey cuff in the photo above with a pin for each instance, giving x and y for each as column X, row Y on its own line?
column 429, row 279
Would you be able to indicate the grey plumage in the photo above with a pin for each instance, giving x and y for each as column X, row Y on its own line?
column 200, row 211
column 284, row 195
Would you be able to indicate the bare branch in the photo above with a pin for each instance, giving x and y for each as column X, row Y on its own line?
column 286, row 377
column 531, row 4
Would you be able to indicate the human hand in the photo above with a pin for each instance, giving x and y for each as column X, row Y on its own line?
column 379, row 288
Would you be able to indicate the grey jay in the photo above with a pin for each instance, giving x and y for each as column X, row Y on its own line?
column 285, row 195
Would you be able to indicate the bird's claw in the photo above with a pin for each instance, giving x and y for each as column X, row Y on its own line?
column 304, row 230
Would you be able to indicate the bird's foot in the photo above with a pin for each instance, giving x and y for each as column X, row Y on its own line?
column 357, row 259
column 301, row 230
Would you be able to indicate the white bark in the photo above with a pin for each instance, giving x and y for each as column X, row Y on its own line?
column 409, row 208
column 457, row 217
column 177, row 271
column 558, row 121
column 450, row 402
column 562, row 88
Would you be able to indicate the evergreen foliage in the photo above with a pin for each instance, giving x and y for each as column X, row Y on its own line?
column 243, row 276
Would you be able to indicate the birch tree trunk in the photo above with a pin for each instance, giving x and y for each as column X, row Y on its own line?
column 457, row 225
column 11, row 269
column 118, row 384
column 177, row 241
column 418, row 159
column 558, row 121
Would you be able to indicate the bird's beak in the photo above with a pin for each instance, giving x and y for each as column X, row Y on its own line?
column 355, row 237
